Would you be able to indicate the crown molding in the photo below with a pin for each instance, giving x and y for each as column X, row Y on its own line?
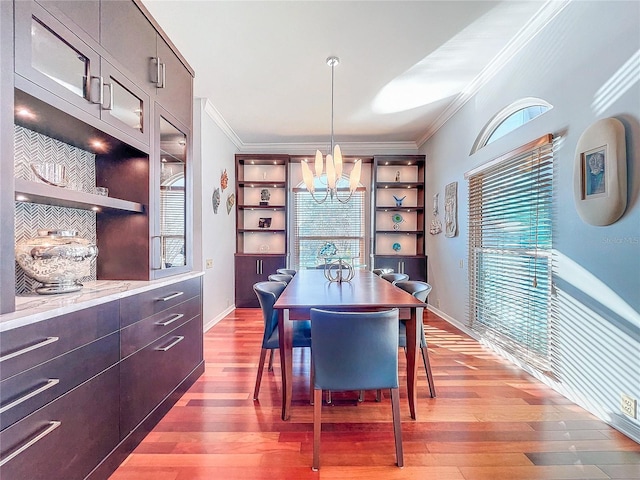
column 348, row 148
column 538, row 22
column 222, row 124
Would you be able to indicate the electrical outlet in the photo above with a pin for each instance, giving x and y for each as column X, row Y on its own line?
column 628, row 405
column 209, row 263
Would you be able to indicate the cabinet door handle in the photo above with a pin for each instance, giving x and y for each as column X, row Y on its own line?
column 110, row 106
column 169, row 321
column 100, row 91
column 52, row 426
column 176, row 340
column 156, row 78
column 170, row 297
column 163, row 69
column 52, row 382
column 30, row 348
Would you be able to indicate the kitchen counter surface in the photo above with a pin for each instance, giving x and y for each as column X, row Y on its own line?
column 34, row 308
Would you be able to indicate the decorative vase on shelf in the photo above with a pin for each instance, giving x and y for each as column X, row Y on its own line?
column 56, row 258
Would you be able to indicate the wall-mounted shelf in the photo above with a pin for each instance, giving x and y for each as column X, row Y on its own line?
column 33, row 192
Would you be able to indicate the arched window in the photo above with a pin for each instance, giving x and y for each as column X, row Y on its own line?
column 510, row 118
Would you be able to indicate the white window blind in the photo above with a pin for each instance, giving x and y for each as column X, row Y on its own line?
column 510, row 241
column 172, row 215
column 316, row 224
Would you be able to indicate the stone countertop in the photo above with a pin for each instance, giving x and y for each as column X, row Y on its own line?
column 34, row 308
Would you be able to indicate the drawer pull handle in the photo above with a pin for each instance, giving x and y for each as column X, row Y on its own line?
column 52, row 426
column 176, row 341
column 52, row 382
column 170, row 297
column 177, row 316
column 29, row 348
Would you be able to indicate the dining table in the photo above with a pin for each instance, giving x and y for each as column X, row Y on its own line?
column 365, row 292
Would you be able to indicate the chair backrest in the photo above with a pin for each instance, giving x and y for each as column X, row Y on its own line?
column 280, row 277
column 268, row 293
column 418, row 289
column 394, row 277
column 286, row 271
column 381, row 271
column 355, row 350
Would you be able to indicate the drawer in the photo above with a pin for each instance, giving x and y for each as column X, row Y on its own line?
column 24, row 393
column 140, row 334
column 148, row 376
column 143, row 305
column 25, row 347
column 66, row 439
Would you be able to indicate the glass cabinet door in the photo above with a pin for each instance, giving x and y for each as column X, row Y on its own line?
column 173, row 198
column 50, row 55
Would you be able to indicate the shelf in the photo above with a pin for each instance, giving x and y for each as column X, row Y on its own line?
column 400, row 232
column 261, row 207
column 61, row 197
column 259, row 230
column 399, row 209
column 260, row 184
column 400, row 185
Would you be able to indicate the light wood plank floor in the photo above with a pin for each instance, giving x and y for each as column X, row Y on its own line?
column 489, row 421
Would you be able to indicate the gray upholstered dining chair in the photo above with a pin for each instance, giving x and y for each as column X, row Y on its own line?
column 421, row 291
column 286, row 271
column 280, row 277
column 268, row 293
column 381, row 271
column 355, row 351
column 394, row 277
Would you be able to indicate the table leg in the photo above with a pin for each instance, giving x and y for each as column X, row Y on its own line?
column 285, row 332
column 413, row 347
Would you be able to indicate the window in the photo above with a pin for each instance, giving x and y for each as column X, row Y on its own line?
column 510, row 240
column 510, row 118
column 316, row 224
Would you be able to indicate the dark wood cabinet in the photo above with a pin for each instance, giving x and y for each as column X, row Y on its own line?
column 251, row 269
column 174, row 87
column 414, row 266
column 83, row 13
column 67, row 438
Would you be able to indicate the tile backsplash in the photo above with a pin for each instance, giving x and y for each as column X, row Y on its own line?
column 79, row 165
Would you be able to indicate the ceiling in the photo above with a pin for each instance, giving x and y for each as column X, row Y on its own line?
column 405, row 67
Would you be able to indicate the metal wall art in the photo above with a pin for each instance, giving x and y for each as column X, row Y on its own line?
column 451, row 210
column 215, row 200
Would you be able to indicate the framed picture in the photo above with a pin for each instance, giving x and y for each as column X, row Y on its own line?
column 600, row 173
column 594, row 172
column 264, row 222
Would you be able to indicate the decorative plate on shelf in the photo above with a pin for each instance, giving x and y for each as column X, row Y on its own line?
column 397, row 218
column 396, row 247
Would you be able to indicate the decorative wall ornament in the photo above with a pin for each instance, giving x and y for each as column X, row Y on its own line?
column 215, row 200
column 436, row 226
column 397, row 220
column 231, row 200
column 451, row 210
column 224, row 180
column 436, row 198
column 399, row 200
column 600, row 173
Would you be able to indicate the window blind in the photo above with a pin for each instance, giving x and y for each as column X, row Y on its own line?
column 172, row 215
column 510, row 241
column 316, row 224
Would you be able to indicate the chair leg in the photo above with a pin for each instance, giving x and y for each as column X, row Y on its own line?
column 361, row 396
column 329, row 397
column 317, row 425
column 397, row 426
column 263, row 355
column 378, row 395
column 427, row 367
column 312, row 375
column 270, row 368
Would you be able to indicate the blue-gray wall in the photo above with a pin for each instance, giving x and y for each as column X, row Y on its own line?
column 586, row 63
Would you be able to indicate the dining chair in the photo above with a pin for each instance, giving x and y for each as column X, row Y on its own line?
column 286, row 271
column 421, row 291
column 268, row 293
column 280, row 277
column 355, row 351
column 380, row 271
column 394, row 277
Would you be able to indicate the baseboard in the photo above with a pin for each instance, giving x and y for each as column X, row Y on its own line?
column 219, row 317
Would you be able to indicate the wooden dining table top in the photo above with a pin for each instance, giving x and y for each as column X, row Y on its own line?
column 310, row 289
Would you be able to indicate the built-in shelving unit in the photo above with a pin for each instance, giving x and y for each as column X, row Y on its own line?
column 398, row 214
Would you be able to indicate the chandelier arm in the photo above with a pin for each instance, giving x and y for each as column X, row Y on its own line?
column 346, row 200
column 326, row 195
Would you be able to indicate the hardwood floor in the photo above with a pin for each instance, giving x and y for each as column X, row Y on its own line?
column 489, row 421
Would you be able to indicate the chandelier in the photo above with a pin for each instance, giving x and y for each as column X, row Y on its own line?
column 332, row 166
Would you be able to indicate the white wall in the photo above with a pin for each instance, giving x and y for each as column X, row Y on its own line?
column 579, row 64
column 214, row 235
